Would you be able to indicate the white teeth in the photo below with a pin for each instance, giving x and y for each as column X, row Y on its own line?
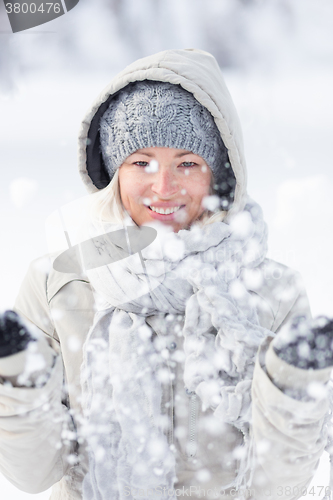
column 167, row 211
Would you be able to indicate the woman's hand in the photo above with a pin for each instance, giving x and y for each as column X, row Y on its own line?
column 14, row 335
column 306, row 344
column 25, row 357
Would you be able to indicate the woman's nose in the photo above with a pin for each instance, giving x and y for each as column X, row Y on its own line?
column 165, row 183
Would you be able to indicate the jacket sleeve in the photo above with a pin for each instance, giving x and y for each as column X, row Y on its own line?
column 288, row 422
column 37, row 437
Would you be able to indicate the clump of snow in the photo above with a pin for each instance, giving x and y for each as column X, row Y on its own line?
column 211, row 203
column 57, row 313
column 152, row 167
column 181, row 216
column 263, row 446
column 239, row 452
column 35, row 361
column 253, row 278
column 203, row 475
column 180, row 432
column 163, row 376
column 316, row 390
column 174, row 248
column 73, row 343
column 303, row 350
column 100, row 454
column 145, row 332
column 241, row 224
column 213, row 426
column 146, row 201
column 22, row 190
column 237, row 289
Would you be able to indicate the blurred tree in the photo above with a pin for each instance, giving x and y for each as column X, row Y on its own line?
column 107, row 34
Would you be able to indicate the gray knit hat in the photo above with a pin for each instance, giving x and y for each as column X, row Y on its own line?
column 158, row 114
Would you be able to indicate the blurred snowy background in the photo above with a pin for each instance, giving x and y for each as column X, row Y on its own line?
column 277, row 58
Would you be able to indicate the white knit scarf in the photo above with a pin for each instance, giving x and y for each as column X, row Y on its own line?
column 198, row 276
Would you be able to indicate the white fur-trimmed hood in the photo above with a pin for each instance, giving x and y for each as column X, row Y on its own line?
column 197, row 72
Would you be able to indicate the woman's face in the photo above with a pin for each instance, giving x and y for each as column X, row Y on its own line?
column 164, row 184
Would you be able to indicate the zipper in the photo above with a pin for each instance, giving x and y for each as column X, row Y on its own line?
column 170, row 434
column 171, row 405
column 191, row 447
column 171, row 437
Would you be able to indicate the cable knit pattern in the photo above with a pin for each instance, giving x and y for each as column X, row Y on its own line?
column 158, row 114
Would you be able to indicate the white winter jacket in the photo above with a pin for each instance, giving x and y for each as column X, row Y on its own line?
column 38, row 440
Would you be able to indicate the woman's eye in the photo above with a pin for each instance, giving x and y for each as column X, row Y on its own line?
column 141, row 163
column 188, row 164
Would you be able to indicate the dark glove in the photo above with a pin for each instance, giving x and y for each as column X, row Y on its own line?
column 306, row 344
column 14, row 336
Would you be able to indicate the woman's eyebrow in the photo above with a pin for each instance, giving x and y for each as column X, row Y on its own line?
column 184, row 153
column 143, row 153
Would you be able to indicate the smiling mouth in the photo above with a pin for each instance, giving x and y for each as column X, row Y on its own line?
column 165, row 211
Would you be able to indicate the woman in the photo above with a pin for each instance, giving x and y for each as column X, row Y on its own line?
column 164, row 316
